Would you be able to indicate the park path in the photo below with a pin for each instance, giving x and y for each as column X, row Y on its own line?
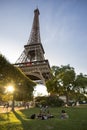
column 5, row 110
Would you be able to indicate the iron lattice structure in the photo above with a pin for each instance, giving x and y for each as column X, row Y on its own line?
column 32, row 61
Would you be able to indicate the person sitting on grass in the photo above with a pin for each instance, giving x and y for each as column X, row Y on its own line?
column 49, row 115
column 33, row 116
column 64, row 115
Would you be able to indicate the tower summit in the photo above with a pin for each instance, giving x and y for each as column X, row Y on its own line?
column 32, row 61
column 35, row 32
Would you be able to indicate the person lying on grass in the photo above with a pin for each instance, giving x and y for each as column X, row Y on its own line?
column 44, row 115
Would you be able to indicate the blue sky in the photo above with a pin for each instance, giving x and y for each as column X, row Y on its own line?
column 63, row 29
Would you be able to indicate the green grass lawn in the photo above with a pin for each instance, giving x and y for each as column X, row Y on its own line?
column 19, row 120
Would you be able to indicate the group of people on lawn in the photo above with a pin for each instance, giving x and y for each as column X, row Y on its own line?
column 45, row 114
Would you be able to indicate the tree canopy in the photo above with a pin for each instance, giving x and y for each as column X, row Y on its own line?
column 65, row 82
column 10, row 75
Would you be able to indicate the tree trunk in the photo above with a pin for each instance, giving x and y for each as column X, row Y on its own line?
column 13, row 103
column 67, row 99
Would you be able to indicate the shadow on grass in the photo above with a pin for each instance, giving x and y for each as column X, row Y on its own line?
column 24, row 122
column 7, row 114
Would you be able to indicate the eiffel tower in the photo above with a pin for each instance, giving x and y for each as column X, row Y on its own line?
column 32, row 61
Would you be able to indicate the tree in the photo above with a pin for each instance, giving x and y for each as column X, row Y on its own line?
column 62, row 81
column 67, row 78
column 65, row 82
column 80, row 86
column 10, row 75
column 53, row 84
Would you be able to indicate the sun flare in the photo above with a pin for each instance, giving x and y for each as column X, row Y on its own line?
column 10, row 89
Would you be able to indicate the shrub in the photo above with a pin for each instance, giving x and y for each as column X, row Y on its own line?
column 52, row 101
